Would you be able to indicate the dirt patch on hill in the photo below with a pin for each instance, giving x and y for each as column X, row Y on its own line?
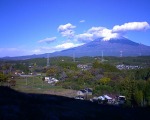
column 66, row 92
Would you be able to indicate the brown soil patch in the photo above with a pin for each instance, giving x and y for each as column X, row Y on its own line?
column 67, row 92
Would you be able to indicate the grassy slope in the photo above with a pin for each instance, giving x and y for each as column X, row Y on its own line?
column 24, row 106
column 36, row 85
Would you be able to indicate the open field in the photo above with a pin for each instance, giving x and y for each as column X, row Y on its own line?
column 35, row 84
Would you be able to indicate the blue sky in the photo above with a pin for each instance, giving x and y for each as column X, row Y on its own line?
column 44, row 26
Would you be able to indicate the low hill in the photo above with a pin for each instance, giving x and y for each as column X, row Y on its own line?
column 22, row 106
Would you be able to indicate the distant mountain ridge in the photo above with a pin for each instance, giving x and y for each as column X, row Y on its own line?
column 113, row 47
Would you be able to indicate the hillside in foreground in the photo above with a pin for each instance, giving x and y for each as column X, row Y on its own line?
column 22, row 106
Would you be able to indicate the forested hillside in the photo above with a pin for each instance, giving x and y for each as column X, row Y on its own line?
column 99, row 74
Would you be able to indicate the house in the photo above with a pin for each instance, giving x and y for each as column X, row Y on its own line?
column 51, row 80
column 81, row 93
column 121, row 99
column 47, row 78
column 101, row 98
column 84, row 92
column 84, row 67
column 127, row 67
column 105, row 99
column 112, row 99
column 108, row 98
column 88, row 91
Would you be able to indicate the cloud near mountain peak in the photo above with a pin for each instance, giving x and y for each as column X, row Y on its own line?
column 116, row 32
column 67, row 30
column 131, row 26
column 97, row 32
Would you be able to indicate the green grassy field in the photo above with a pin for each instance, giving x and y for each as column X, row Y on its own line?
column 35, row 84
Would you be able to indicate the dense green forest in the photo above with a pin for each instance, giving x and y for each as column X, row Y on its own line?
column 100, row 74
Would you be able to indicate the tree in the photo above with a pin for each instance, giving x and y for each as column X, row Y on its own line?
column 142, row 74
column 3, row 78
column 109, row 68
column 102, row 89
column 68, row 65
column 104, row 81
column 51, row 72
column 147, row 92
column 97, row 64
column 128, row 87
column 23, row 67
column 141, row 84
column 139, row 97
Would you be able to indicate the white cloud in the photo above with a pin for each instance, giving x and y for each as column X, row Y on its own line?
column 85, row 37
column 67, row 30
column 43, row 49
column 106, row 34
column 82, row 21
column 67, row 45
column 49, row 49
column 95, row 29
column 131, row 26
column 102, row 32
column 36, row 51
column 97, row 32
column 47, row 40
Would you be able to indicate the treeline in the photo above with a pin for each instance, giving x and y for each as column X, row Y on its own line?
column 140, row 60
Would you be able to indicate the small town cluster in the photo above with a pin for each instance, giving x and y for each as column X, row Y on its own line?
column 85, row 94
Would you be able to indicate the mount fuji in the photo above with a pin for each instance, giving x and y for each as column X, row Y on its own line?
column 113, row 47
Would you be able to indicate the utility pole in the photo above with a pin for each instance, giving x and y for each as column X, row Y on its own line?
column 102, row 56
column 26, row 81
column 121, row 53
column 33, row 80
column 73, row 57
column 140, row 49
column 48, row 60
